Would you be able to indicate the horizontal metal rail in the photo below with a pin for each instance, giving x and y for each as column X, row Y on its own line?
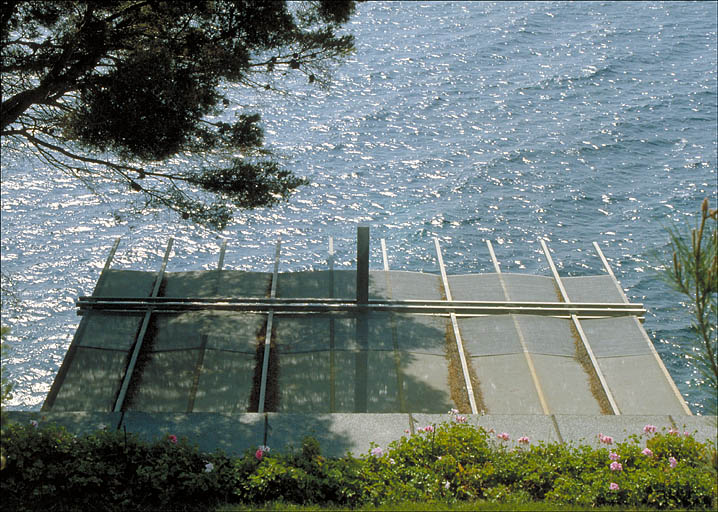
column 91, row 301
column 166, row 304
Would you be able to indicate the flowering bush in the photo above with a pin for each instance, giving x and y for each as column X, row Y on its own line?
column 50, row 469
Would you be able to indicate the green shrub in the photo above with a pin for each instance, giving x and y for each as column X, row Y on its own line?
column 50, row 469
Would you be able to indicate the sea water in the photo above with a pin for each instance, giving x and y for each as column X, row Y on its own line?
column 509, row 122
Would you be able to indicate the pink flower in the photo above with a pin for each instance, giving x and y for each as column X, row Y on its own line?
column 428, row 428
column 454, row 411
column 377, row 451
column 524, row 440
column 172, row 438
column 406, row 431
column 605, row 439
column 614, row 456
column 503, row 436
column 672, row 461
column 672, row 432
column 613, row 486
column 647, row 452
column 259, row 453
column 686, row 433
column 616, row 466
column 34, row 423
column 649, row 429
column 460, row 419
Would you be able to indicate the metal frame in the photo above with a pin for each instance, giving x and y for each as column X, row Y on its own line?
column 70, row 356
column 522, row 340
column 581, row 334
column 362, row 306
column 203, row 347
column 300, row 305
column 658, row 359
column 457, row 332
column 119, row 404
column 268, row 334
column 394, row 336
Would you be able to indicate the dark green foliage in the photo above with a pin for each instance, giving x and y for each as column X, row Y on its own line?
column 249, row 184
column 141, row 82
column 49, row 469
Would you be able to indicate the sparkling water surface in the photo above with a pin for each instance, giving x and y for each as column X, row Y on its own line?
column 509, row 122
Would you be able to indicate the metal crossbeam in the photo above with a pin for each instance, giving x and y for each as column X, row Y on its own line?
column 165, row 304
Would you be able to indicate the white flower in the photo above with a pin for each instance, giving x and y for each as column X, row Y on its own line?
column 208, row 467
column 446, row 484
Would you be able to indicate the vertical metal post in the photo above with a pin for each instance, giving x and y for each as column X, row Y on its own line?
column 332, row 355
column 362, row 289
column 363, row 264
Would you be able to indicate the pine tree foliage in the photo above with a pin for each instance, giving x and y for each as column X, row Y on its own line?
column 694, row 273
column 124, row 90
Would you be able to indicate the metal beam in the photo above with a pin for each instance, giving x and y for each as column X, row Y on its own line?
column 384, row 258
column 141, row 336
column 581, row 334
column 268, row 334
column 493, row 257
column 362, row 285
column 457, row 333
column 92, row 302
column 204, row 338
column 72, row 350
column 658, row 359
column 522, row 340
column 338, row 305
column 332, row 355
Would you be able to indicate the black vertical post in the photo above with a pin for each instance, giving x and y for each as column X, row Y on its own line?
column 361, row 357
column 363, row 264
